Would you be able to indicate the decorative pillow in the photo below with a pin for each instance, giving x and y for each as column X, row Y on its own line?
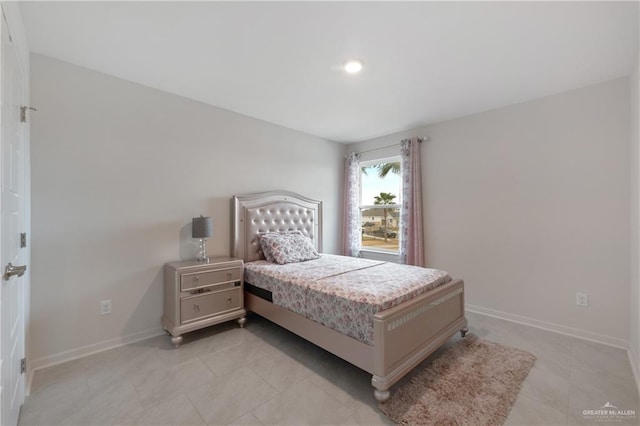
column 266, row 247
column 288, row 247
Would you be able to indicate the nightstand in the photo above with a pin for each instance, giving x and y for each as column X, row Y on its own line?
column 198, row 295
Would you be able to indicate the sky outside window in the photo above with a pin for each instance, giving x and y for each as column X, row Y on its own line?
column 372, row 185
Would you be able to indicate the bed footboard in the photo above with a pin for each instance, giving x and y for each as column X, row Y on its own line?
column 408, row 333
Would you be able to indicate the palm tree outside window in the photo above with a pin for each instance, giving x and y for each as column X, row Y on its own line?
column 380, row 192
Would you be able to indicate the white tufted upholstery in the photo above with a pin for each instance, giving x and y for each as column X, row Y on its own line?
column 271, row 212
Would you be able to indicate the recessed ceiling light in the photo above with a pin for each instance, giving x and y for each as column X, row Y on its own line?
column 353, row 66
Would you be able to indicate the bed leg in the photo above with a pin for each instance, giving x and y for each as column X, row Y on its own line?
column 381, row 395
column 242, row 321
column 464, row 331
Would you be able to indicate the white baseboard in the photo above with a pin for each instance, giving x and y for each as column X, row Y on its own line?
column 51, row 360
column 549, row 326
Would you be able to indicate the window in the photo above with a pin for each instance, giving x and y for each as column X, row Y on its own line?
column 380, row 191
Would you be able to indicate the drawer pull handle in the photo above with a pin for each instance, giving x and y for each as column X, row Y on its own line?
column 196, row 307
column 229, row 300
column 196, row 279
column 229, row 275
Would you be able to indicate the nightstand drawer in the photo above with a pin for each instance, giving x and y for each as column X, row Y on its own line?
column 193, row 280
column 207, row 304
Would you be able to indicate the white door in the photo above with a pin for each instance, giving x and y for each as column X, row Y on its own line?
column 12, row 224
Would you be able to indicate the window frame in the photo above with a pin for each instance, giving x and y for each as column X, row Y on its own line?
column 379, row 253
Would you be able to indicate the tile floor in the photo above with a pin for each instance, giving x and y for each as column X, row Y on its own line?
column 265, row 375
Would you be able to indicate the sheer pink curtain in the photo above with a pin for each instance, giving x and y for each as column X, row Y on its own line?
column 351, row 242
column 411, row 231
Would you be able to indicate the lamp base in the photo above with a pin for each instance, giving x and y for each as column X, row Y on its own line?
column 202, row 254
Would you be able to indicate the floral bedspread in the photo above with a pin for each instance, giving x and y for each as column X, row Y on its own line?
column 343, row 293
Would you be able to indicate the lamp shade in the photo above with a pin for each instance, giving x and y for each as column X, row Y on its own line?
column 202, row 227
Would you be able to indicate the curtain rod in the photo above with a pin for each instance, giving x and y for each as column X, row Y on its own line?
column 426, row 138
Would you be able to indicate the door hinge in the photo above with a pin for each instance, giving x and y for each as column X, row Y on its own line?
column 23, row 113
column 23, row 239
column 23, row 365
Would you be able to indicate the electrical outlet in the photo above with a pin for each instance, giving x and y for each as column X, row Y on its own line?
column 105, row 307
column 582, row 299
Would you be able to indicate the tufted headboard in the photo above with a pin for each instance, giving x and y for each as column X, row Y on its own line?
column 272, row 211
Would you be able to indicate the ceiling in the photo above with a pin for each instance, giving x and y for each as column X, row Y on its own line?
column 280, row 62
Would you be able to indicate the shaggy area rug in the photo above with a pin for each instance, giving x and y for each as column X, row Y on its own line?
column 475, row 382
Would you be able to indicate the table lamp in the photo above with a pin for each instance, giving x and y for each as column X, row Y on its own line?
column 202, row 229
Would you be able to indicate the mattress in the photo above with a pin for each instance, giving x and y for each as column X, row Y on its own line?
column 342, row 293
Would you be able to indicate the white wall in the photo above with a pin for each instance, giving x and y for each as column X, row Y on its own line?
column 635, row 219
column 530, row 204
column 119, row 170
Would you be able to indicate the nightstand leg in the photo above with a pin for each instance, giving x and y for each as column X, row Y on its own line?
column 381, row 395
column 176, row 340
column 241, row 322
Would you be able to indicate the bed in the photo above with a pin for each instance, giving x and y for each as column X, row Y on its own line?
column 391, row 340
